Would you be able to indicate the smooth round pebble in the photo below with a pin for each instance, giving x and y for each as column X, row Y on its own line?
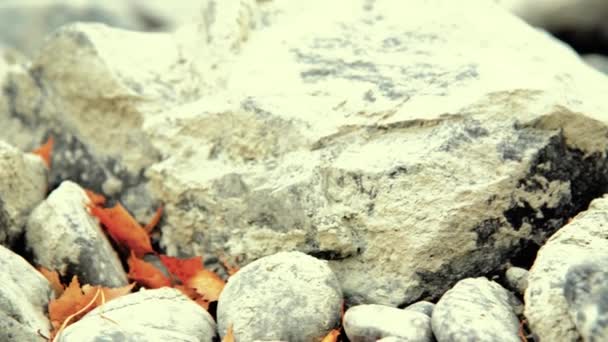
column 288, row 296
column 368, row 323
column 422, row 307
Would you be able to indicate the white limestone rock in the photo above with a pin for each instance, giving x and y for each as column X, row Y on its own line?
column 24, row 295
column 286, row 296
column 23, row 178
column 370, row 323
column 476, row 309
column 583, row 240
column 64, row 236
column 517, row 279
column 411, row 144
column 159, row 315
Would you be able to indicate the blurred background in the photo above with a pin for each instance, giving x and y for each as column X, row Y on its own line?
column 582, row 24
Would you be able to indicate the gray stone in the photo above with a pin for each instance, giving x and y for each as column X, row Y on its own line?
column 586, row 292
column 286, row 296
column 517, row 279
column 22, row 186
column 64, row 236
column 24, row 295
column 369, row 323
column 475, row 309
column 393, row 339
column 146, row 316
column 580, row 241
column 422, row 307
column 341, row 144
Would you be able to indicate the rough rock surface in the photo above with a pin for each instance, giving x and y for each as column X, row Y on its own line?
column 583, row 241
column 288, row 296
column 517, row 279
column 422, row 307
column 63, row 236
column 369, row 323
column 410, row 151
column 24, row 295
column 22, row 186
column 476, row 309
column 146, row 316
column 586, row 292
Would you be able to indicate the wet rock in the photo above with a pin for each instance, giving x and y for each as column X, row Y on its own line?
column 350, row 157
column 369, row 323
column 586, row 292
column 583, row 242
column 24, row 295
column 23, row 184
column 422, row 307
column 63, row 236
column 303, row 293
column 475, row 309
column 149, row 315
column 517, row 279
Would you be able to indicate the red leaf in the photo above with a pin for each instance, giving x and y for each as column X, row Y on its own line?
column 123, row 228
column 146, row 274
column 95, row 198
column 45, row 151
column 183, row 269
column 154, row 221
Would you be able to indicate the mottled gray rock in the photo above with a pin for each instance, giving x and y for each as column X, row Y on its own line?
column 369, row 323
column 583, row 240
column 422, row 307
column 24, row 295
column 393, row 339
column 517, row 279
column 146, row 316
column 341, row 144
column 22, row 187
column 586, row 292
column 286, row 296
column 475, row 309
column 63, row 236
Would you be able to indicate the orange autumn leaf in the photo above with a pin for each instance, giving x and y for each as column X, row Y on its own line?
column 207, row 283
column 68, row 303
column 107, row 293
column 154, row 221
column 332, row 336
column 193, row 295
column 45, row 151
column 183, row 269
column 53, row 278
column 229, row 337
column 146, row 274
column 95, row 198
column 123, row 228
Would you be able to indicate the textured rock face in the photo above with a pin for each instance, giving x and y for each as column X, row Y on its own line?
column 63, row 236
column 476, row 309
column 150, row 315
column 583, row 242
column 24, row 294
column 22, row 187
column 303, row 292
column 403, row 152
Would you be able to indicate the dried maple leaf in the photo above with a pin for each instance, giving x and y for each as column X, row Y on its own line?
column 107, row 294
column 95, row 198
column 194, row 296
column 229, row 337
column 123, row 228
column 207, row 283
column 332, row 336
column 45, row 151
column 183, row 269
column 53, row 278
column 154, row 221
column 146, row 274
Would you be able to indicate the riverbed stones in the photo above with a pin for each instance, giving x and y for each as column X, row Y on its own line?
column 23, row 184
column 65, row 237
column 24, row 296
column 557, row 273
column 303, row 293
column 149, row 315
column 362, row 140
column 476, row 309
